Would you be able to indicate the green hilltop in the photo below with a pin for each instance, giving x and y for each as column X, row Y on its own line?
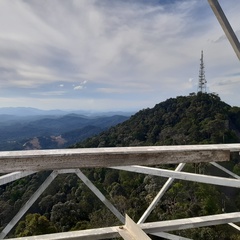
column 195, row 119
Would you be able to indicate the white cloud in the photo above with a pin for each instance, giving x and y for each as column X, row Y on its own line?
column 49, row 93
column 79, row 87
column 117, row 46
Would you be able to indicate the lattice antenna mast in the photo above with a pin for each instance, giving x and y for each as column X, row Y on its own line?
column 202, row 83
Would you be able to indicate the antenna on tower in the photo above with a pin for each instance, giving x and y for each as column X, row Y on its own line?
column 202, row 83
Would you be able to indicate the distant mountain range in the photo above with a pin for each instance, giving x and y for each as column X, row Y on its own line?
column 28, row 111
column 39, row 131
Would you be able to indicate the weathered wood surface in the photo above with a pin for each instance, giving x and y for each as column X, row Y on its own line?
column 132, row 231
column 37, row 160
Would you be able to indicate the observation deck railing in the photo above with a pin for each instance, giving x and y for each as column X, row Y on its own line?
column 134, row 159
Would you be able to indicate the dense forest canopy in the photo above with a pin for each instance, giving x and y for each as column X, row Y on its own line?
column 69, row 205
column 193, row 119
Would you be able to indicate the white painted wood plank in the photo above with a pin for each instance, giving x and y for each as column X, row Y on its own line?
column 131, row 231
column 229, row 182
column 37, row 160
column 170, row 236
column 188, row 223
column 7, row 178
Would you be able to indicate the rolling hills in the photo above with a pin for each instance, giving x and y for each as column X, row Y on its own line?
column 44, row 132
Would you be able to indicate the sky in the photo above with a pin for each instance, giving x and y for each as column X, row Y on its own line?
column 113, row 55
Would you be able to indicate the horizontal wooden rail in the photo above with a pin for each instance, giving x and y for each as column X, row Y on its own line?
column 37, row 160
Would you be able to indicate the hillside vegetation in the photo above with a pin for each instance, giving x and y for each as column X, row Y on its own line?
column 68, row 205
column 194, row 119
column 46, row 132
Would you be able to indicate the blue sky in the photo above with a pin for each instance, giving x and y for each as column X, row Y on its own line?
column 113, row 54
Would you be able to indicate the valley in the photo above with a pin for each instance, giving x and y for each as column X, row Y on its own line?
column 51, row 131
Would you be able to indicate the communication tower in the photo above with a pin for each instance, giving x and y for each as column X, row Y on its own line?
column 202, row 83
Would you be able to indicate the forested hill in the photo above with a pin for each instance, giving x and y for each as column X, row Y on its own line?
column 195, row 119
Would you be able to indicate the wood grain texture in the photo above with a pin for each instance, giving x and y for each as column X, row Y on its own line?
column 37, row 160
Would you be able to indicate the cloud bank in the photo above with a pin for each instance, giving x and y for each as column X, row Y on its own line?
column 126, row 54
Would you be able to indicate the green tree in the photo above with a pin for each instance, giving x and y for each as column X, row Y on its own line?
column 34, row 224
